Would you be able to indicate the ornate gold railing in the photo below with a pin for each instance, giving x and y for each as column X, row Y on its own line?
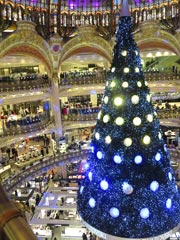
column 64, row 17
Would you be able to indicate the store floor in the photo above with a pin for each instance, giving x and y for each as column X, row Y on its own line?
column 57, row 235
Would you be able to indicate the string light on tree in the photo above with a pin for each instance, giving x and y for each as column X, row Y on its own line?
column 119, row 121
column 106, row 99
column 97, row 135
column 117, row 159
column 113, row 69
column 104, row 184
column 139, row 84
column 137, row 121
column 114, row 212
column 106, row 118
column 126, row 70
column 149, row 117
column 144, row 213
column 146, row 140
column 124, row 53
column 135, row 99
column 113, row 84
column 136, row 69
column 108, row 139
column 125, row 84
column 118, row 101
column 127, row 142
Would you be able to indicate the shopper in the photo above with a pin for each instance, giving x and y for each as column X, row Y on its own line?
column 42, row 151
column 84, row 236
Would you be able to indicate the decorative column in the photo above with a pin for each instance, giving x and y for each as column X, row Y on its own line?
column 55, row 105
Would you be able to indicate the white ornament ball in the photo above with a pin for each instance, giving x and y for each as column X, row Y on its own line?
column 106, row 118
column 86, row 166
column 127, row 142
column 149, row 117
column 90, row 176
column 170, row 176
column 118, row 101
column 99, row 155
column 136, row 69
column 124, row 53
column 139, row 84
column 117, row 159
column 92, row 202
column 159, row 135
column 127, row 188
column 154, row 186
column 146, row 140
column 114, row 212
column 144, row 213
column 135, row 99
column 112, row 84
column 158, row 156
column 125, row 84
column 119, row 121
column 148, row 98
column 126, row 70
column 136, row 121
column 138, row 159
column 97, row 135
column 81, row 189
column 146, row 84
column 104, row 185
column 108, row 139
column 113, row 69
column 106, row 99
column 99, row 114
column 169, row 203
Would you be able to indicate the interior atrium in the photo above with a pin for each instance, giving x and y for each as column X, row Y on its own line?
column 55, row 57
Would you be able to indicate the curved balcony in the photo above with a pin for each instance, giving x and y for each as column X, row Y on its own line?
column 25, row 125
column 30, row 82
column 100, row 77
column 91, row 114
column 43, row 165
column 40, row 167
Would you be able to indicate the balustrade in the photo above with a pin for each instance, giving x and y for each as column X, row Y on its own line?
column 8, row 84
column 14, row 129
column 92, row 116
column 40, row 167
column 100, row 78
column 64, row 18
column 43, row 165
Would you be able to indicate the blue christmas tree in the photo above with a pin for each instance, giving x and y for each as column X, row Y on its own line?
column 129, row 189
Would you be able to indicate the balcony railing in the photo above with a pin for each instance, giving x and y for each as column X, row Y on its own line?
column 64, row 18
column 25, row 125
column 100, row 77
column 8, row 84
column 39, row 167
column 91, row 114
column 42, row 166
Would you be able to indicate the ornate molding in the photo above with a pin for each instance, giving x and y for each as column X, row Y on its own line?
column 26, row 40
column 87, row 37
column 150, row 33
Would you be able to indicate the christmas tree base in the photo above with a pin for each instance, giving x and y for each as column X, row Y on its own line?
column 111, row 237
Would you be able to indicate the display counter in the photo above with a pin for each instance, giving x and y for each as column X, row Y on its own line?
column 42, row 231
